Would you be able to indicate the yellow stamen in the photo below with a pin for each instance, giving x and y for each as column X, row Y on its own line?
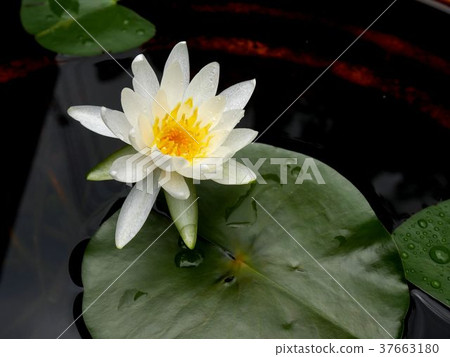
column 180, row 133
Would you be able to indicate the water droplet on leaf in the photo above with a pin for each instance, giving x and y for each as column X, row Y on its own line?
column 422, row 223
column 435, row 284
column 88, row 42
column 188, row 259
column 440, row 254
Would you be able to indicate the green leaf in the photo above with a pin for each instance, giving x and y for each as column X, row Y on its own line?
column 424, row 245
column 115, row 27
column 247, row 278
column 100, row 172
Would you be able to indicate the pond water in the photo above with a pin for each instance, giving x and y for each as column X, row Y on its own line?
column 380, row 116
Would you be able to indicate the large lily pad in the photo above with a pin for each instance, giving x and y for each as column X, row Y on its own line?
column 424, row 243
column 115, row 27
column 247, row 277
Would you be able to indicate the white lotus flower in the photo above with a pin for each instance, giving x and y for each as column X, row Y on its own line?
column 175, row 126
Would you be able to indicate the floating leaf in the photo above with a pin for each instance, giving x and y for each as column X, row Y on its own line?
column 253, row 280
column 424, row 244
column 115, row 27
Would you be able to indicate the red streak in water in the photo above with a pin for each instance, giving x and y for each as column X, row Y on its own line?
column 359, row 75
column 389, row 43
column 21, row 68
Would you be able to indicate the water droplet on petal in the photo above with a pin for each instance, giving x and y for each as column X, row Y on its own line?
column 113, row 173
column 440, row 254
column 422, row 223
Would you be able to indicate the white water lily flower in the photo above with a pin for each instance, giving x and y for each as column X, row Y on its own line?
column 175, row 127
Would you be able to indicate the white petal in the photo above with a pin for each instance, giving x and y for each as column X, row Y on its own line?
column 180, row 54
column 204, row 85
column 239, row 138
column 172, row 84
column 211, row 110
column 131, row 168
column 235, row 173
column 146, row 131
column 217, row 139
column 90, row 117
column 174, row 184
column 136, row 140
column 167, row 162
column 238, row 95
column 136, row 209
column 202, row 168
column 160, row 107
column 117, row 122
column 135, row 105
column 222, row 152
column 145, row 81
column 229, row 119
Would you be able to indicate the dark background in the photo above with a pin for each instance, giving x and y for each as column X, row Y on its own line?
column 380, row 116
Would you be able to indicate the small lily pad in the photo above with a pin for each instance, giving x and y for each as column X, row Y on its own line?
column 115, row 27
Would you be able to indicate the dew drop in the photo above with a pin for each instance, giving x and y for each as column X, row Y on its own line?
column 140, row 32
column 436, row 229
column 87, row 42
column 126, row 22
column 422, row 223
column 441, row 214
column 411, row 246
column 188, row 259
column 404, row 255
column 436, row 284
column 440, row 254
column 408, row 234
column 424, row 278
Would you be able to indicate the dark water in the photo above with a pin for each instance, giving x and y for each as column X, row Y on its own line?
column 380, row 117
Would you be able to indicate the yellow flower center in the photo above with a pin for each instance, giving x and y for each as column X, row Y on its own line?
column 179, row 133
